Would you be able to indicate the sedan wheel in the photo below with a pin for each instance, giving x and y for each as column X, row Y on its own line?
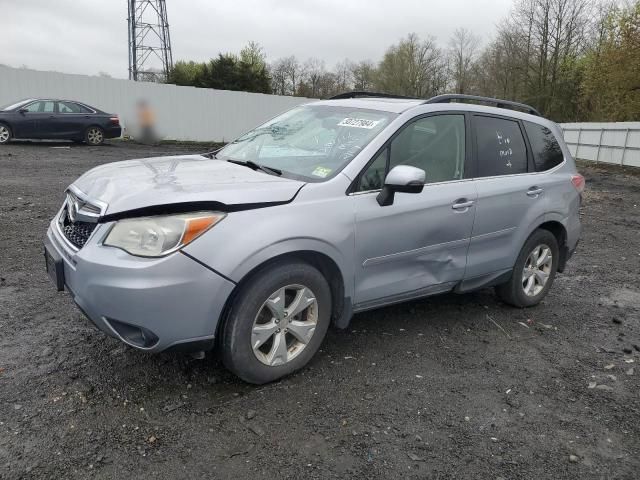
column 284, row 325
column 5, row 134
column 95, row 136
column 536, row 270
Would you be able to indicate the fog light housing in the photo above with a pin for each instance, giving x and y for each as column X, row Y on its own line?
column 133, row 335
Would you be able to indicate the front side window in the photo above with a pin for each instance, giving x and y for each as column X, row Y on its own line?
column 546, row 150
column 434, row 144
column 501, row 147
column 41, row 107
column 312, row 142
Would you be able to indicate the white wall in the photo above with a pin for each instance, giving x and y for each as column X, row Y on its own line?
column 182, row 113
column 617, row 143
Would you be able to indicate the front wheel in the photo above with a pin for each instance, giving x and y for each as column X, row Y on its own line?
column 534, row 271
column 277, row 322
column 5, row 134
column 94, row 136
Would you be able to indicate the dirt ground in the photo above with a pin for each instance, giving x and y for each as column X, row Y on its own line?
column 446, row 387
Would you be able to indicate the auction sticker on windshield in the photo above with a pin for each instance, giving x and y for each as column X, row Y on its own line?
column 321, row 172
column 359, row 123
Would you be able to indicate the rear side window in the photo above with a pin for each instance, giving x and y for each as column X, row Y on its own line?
column 546, row 150
column 501, row 147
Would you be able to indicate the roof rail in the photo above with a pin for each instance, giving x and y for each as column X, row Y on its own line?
column 495, row 102
column 363, row 94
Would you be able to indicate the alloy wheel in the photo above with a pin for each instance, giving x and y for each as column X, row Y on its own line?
column 94, row 136
column 537, row 270
column 284, row 325
column 4, row 134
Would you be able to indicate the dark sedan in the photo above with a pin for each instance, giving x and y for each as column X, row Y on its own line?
column 57, row 119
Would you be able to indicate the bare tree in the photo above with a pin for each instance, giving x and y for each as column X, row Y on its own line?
column 279, row 77
column 363, row 75
column 463, row 49
column 413, row 67
column 343, row 75
column 314, row 70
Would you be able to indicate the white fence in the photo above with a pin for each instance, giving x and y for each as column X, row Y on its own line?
column 199, row 114
column 617, row 143
column 182, row 113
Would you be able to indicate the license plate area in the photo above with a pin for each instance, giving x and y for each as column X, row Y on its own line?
column 55, row 266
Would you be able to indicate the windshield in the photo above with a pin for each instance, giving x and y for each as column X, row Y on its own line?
column 313, row 142
column 13, row 106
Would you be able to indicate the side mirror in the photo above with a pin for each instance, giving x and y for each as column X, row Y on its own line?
column 23, row 110
column 402, row 178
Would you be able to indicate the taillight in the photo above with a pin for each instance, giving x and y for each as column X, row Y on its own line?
column 578, row 182
column 115, row 120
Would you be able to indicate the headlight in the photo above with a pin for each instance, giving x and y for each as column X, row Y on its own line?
column 158, row 236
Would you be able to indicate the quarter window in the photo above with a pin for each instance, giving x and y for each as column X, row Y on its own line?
column 501, row 147
column 546, row 150
column 435, row 144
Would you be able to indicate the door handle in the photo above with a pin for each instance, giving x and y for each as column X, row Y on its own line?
column 534, row 191
column 462, row 204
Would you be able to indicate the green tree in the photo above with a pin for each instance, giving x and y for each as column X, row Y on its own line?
column 611, row 85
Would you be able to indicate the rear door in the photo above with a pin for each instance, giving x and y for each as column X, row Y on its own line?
column 71, row 120
column 509, row 197
column 417, row 245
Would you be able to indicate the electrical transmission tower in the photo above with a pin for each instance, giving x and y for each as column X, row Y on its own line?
column 149, row 42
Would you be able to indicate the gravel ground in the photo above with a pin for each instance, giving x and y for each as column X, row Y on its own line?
column 446, row 387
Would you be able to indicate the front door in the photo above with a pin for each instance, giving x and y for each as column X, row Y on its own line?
column 418, row 245
column 36, row 120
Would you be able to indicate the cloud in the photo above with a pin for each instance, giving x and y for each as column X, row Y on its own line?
column 90, row 36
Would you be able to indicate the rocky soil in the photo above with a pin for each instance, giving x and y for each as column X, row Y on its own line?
column 446, row 387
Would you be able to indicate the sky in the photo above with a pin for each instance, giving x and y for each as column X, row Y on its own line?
column 90, row 36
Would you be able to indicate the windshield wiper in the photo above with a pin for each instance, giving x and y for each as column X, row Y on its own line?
column 256, row 166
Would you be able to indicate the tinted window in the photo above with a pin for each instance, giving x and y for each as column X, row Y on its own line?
column 546, row 151
column 501, row 148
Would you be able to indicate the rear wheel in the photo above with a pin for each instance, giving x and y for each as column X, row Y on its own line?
column 276, row 323
column 534, row 271
column 5, row 133
column 94, row 136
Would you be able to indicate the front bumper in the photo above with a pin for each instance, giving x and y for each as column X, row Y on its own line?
column 150, row 304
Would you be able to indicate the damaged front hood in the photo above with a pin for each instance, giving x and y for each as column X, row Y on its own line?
column 188, row 179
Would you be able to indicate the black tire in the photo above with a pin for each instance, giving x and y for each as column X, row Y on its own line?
column 94, row 135
column 5, row 133
column 513, row 291
column 236, row 336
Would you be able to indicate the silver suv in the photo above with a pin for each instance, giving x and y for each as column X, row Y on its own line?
column 332, row 208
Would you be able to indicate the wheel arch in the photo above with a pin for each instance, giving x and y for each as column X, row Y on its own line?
column 560, row 232
column 8, row 125
column 326, row 265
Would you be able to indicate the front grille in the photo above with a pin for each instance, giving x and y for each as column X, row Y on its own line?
column 77, row 232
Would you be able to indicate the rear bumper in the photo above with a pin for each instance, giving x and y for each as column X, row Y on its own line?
column 150, row 304
column 113, row 132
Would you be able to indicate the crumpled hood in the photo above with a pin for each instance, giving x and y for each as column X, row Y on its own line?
column 149, row 182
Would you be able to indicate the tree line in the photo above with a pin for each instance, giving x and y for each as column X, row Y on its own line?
column 574, row 60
